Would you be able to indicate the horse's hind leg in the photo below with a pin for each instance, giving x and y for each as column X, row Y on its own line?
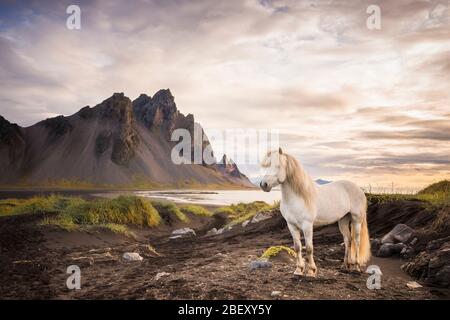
column 356, row 238
column 311, row 269
column 344, row 227
column 295, row 232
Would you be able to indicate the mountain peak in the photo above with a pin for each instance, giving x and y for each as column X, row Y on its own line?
column 156, row 111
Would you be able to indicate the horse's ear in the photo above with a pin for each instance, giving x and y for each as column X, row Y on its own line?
column 280, row 151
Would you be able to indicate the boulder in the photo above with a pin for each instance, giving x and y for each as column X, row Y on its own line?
column 407, row 252
column 432, row 265
column 400, row 233
column 132, row 256
column 375, row 245
column 390, row 249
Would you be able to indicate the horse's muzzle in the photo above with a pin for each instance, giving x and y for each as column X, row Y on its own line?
column 264, row 186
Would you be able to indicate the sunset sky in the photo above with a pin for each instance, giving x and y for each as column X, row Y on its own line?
column 371, row 106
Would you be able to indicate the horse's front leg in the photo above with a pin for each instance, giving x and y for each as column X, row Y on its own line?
column 295, row 232
column 311, row 269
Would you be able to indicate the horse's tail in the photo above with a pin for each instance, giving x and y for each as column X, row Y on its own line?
column 364, row 245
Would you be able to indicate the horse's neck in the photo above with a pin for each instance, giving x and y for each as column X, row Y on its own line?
column 288, row 195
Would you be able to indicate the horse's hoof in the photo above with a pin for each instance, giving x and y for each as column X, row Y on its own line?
column 298, row 272
column 311, row 273
column 345, row 266
column 356, row 268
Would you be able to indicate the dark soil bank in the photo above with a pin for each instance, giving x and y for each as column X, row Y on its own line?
column 34, row 260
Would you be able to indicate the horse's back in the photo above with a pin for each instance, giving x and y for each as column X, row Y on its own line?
column 355, row 195
column 338, row 198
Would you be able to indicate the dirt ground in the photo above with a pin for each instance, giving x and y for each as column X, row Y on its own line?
column 34, row 260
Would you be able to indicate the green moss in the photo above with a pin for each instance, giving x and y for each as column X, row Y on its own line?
column 275, row 250
column 196, row 210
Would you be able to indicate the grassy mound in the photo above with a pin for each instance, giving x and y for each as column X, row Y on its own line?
column 441, row 186
column 435, row 194
column 113, row 214
column 275, row 250
column 196, row 210
column 169, row 208
column 240, row 212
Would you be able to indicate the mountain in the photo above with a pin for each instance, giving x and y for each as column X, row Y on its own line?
column 321, row 181
column 229, row 168
column 256, row 180
column 118, row 142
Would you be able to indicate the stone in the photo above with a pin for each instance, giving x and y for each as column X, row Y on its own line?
column 413, row 285
column 245, row 223
column 132, row 256
column 276, row 294
column 159, row 275
column 212, row 232
column 184, row 232
column 260, row 216
column 260, row 264
column 400, row 233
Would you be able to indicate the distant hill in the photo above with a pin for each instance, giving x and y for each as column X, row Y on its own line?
column 257, row 180
column 118, row 142
column 321, row 181
column 441, row 186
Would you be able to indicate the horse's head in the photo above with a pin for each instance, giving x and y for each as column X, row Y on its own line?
column 275, row 162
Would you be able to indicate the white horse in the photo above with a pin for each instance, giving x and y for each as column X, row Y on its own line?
column 305, row 204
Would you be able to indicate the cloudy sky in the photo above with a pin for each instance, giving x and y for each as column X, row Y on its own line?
column 368, row 105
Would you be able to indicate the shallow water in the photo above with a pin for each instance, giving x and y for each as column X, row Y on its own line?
column 215, row 198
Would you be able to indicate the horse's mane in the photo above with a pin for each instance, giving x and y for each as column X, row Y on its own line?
column 300, row 182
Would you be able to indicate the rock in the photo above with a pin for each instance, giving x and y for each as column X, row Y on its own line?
column 175, row 237
column 148, row 251
column 212, row 232
column 276, row 294
column 260, row 264
column 245, row 223
column 159, row 275
column 413, row 285
column 390, row 249
column 375, row 245
column 400, row 233
column 407, row 252
column 83, row 261
column 104, row 257
column 260, row 216
column 184, row 232
column 132, row 256
column 443, row 276
column 433, row 265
